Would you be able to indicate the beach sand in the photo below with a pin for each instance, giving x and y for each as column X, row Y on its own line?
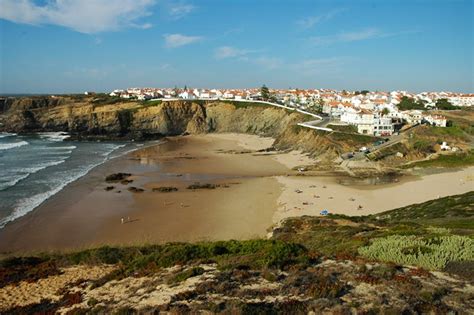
column 325, row 193
column 257, row 190
column 84, row 214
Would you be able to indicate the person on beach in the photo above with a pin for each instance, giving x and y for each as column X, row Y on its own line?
column 121, row 220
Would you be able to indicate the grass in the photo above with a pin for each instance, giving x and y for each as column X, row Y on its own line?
column 356, row 139
column 257, row 253
column 453, row 131
column 108, row 100
column 151, row 103
column 456, row 132
column 238, row 105
column 447, row 160
column 454, row 212
column 343, row 128
column 324, row 236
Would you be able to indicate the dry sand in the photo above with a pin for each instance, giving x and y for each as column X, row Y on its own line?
column 255, row 193
column 324, row 193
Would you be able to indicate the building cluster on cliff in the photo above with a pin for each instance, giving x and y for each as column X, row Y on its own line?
column 373, row 113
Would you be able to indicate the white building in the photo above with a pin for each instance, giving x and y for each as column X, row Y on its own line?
column 436, row 120
column 368, row 123
column 383, row 126
column 462, row 100
column 187, row 95
column 412, row 116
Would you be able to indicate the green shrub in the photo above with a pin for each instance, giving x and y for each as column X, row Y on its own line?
column 182, row 276
column 431, row 253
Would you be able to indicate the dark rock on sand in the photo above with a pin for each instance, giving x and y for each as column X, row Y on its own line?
column 136, row 190
column 164, row 189
column 202, row 186
column 117, row 177
column 109, row 188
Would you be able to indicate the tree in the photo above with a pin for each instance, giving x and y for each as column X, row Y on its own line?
column 444, row 104
column 407, row 103
column 385, row 111
column 265, row 92
column 320, row 105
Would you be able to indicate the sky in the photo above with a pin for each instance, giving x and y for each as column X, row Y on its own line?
column 70, row 46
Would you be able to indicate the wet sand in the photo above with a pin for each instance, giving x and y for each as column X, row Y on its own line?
column 255, row 193
column 84, row 214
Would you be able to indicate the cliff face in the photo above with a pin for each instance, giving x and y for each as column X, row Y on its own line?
column 130, row 120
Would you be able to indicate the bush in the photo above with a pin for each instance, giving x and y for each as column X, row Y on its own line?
column 431, row 253
column 182, row 276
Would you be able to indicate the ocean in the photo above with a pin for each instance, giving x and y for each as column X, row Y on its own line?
column 35, row 167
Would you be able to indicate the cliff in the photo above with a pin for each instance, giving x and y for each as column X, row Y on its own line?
column 86, row 118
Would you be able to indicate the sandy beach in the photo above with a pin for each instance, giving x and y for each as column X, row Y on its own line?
column 255, row 190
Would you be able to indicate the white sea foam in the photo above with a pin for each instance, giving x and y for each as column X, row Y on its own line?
column 23, row 173
column 54, row 136
column 13, row 180
column 8, row 146
column 71, row 147
column 28, row 204
column 6, row 134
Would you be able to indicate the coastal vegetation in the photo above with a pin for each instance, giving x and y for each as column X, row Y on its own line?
column 407, row 103
column 444, row 104
column 343, row 128
column 312, row 263
column 427, row 252
column 461, row 159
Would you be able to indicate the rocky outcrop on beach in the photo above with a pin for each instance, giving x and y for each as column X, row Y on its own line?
column 85, row 118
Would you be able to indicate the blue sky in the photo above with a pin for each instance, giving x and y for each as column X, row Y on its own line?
column 62, row 46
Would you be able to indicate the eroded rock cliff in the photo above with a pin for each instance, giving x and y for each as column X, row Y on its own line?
column 85, row 119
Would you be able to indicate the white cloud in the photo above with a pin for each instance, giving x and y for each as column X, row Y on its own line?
column 85, row 16
column 180, row 10
column 230, row 52
column 365, row 34
column 310, row 21
column 178, row 40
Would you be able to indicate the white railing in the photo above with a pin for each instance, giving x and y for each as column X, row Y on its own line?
column 308, row 125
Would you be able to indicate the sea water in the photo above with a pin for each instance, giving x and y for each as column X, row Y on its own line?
column 35, row 167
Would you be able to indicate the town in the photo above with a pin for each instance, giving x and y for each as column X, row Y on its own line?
column 370, row 112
